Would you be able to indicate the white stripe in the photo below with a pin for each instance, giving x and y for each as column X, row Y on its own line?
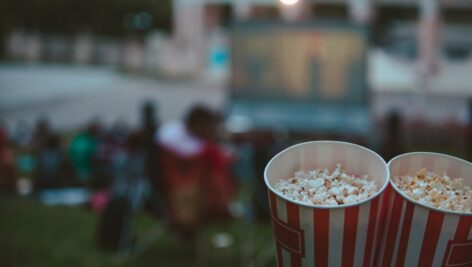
column 282, row 214
column 386, row 226
column 395, row 168
column 397, row 238
column 281, row 209
column 470, row 234
column 441, row 165
column 361, row 236
column 311, row 161
column 286, row 257
column 466, row 174
column 352, row 161
column 448, row 231
column 415, row 164
column 324, row 156
column 415, row 241
column 303, row 160
column 336, row 227
column 306, row 223
column 287, row 166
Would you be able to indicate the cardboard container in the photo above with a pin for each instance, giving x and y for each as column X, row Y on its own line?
column 418, row 235
column 311, row 235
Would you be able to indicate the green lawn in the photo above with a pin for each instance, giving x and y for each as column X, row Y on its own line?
column 34, row 235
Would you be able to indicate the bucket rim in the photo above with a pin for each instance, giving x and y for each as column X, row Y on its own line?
column 406, row 197
column 313, row 206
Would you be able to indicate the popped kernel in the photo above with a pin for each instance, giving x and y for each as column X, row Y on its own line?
column 439, row 191
column 320, row 187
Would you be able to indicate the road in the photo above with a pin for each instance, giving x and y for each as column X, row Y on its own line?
column 71, row 96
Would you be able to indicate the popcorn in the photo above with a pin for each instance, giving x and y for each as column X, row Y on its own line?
column 319, row 187
column 436, row 191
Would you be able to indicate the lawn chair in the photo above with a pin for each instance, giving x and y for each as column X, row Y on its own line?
column 184, row 181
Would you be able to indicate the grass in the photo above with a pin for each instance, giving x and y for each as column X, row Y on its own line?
column 35, row 235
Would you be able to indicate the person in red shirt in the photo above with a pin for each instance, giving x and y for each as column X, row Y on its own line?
column 195, row 171
column 7, row 165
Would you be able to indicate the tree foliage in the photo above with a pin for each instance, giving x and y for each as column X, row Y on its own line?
column 103, row 17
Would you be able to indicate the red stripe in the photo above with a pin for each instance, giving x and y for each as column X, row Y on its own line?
column 381, row 222
column 463, row 228
column 431, row 237
column 461, row 254
column 410, row 207
column 287, row 237
column 374, row 207
column 273, row 209
column 351, row 216
column 273, row 204
column 393, row 229
column 293, row 220
column 321, row 231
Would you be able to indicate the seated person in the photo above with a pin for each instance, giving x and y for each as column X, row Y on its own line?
column 195, row 169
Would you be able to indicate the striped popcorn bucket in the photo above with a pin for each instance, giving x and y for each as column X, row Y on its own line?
column 417, row 235
column 311, row 235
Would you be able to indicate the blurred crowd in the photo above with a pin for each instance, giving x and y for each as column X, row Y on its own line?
column 48, row 159
column 178, row 170
column 101, row 158
column 188, row 172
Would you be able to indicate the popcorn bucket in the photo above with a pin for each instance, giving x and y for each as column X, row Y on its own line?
column 418, row 235
column 312, row 235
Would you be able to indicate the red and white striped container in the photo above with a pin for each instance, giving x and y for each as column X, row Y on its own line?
column 311, row 235
column 418, row 235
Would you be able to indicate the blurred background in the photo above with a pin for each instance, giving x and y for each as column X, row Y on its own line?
column 135, row 133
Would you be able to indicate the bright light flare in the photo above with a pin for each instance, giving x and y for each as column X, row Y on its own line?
column 288, row 2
